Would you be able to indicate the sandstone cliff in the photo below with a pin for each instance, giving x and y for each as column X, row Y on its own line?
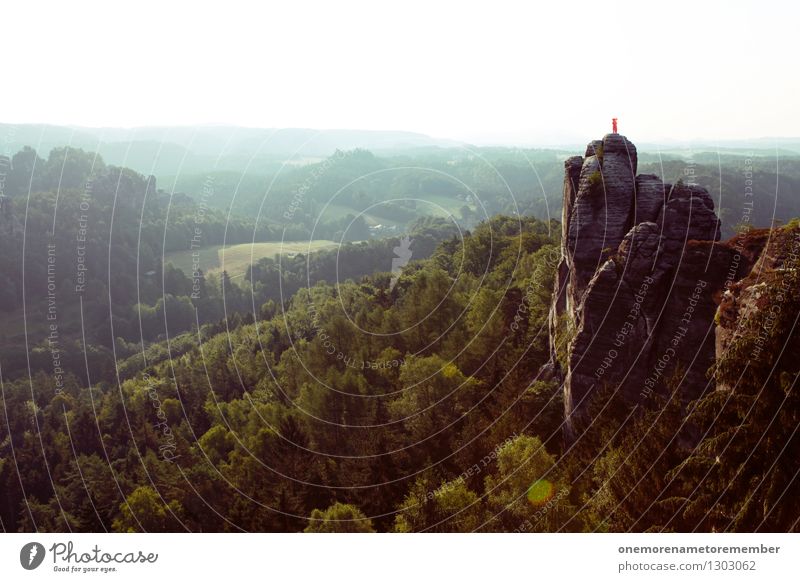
column 757, row 314
column 640, row 278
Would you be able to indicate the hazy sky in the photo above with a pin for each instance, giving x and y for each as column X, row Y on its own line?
column 534, row 72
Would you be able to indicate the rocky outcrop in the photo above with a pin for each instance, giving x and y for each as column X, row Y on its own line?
column 748, row 319
column 638, row 284
column 600, row 214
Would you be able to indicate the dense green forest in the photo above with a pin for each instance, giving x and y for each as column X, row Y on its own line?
column 362, row 407
column 102, row 233
column 333, row 392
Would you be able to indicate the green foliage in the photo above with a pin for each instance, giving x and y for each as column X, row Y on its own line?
column 598, row 151
column 339, row 518
column 633, row 488
column 564, row 334
column 526, row 482
column 450, row 507
column 596, row 181
column 144, row 510
column 238, row 407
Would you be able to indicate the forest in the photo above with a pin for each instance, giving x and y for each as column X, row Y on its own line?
column 331, row 392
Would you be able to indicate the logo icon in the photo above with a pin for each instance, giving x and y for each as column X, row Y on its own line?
column 31, row 555
column 402, row 256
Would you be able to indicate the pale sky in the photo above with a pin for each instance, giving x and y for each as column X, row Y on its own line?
column 534, row 72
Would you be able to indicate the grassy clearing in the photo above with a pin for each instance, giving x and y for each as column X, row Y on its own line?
column 236, row 258
column 443, row 206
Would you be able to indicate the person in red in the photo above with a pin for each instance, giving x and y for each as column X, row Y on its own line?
column 614, row 125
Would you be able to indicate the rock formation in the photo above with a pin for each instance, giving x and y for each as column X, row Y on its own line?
column 638, row 284
column 756, row 311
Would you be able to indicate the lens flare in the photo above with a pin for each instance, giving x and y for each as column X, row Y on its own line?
column 541, row 491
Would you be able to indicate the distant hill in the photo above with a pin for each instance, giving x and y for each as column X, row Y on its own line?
column 173, row 150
